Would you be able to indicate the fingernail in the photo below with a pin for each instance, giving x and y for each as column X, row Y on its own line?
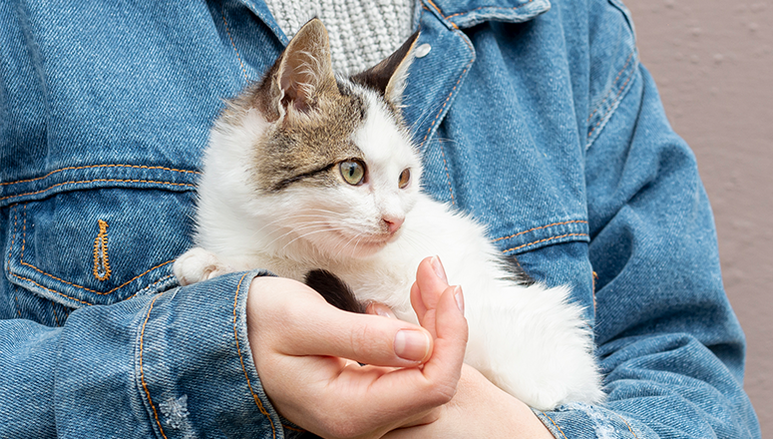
column 411, row 344
column 379, row 309
column 459, row 298
column 438, row 266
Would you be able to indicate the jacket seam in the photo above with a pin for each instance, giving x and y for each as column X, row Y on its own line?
column 627, row 425
column 612, row 103
column 241, row 360
column 609, row 92
column 75, row 168
column 142, row 371
column 98, row 180
column 539, row 228
column 56, row 318
column 489, row 7
column 544, row 240
column 227, row 31
column 442, row 108
column 554, row 424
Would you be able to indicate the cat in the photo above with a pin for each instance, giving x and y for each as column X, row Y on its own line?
column 306, row 171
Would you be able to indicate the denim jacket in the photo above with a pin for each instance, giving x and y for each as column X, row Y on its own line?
column 535, row 117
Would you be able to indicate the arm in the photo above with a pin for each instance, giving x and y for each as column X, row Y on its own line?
column 669, row 343
column 180, row 364
column 170, row 364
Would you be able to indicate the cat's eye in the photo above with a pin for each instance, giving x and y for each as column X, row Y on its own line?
column 353, row 171
column 405, row 178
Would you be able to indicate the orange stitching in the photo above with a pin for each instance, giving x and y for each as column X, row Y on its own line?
column 293, row 428
column 54, row 291
column 222, row 10
column 16, row 297
column 436, row 8
column 543, row 240
column 610, row 107
column 89, row 289
column 626, row 424
column 56, row 319
column 241, row 359
column 98, row 180
column 610, row 90
column 73, row 168
column 554, row 423
column 142, row 372
column 151, row 285
column 101, row 262
column 61, row 280
column 594, row 279
column 540, row 227
column 26, row 264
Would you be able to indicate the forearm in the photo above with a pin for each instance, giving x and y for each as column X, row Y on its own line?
column 669, row 343
column 174, row 364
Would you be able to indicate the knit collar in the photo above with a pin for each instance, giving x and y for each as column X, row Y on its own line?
column 460, row 13
column 468, row 13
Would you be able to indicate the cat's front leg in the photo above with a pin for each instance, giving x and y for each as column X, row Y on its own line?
column 197, row 265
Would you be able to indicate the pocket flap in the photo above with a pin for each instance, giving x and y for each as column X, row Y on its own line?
column 98, row 247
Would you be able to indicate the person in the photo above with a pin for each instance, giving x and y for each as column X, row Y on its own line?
column 535, row 117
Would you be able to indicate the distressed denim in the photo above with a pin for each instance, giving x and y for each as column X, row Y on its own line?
column 534, row 117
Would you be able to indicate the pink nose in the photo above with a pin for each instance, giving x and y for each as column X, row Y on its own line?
column 393, row 224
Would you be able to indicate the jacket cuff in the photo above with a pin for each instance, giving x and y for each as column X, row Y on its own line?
column 185, row 369
column 581, row 421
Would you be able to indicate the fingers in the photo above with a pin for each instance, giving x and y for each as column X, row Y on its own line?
column 451, row 336
column 296, row 336
column 430, row 282
column 299, row 322
column 403, row 393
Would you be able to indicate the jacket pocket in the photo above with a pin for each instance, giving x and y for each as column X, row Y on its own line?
column 98, row 246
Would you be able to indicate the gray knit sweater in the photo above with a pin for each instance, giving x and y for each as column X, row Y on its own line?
column 362, row 33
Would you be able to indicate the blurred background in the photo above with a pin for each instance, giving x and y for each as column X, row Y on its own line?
column 713, row 63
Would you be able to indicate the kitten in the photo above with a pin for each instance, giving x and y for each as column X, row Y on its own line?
column 308, row 171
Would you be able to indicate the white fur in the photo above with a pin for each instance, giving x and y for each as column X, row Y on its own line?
column 530, row 341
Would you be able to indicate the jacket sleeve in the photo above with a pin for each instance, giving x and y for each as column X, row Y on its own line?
column 670, row 347
column 171, row 365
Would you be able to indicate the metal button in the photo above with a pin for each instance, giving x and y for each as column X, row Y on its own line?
column 422, row 50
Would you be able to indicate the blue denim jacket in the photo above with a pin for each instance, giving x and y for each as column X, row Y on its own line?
column 535, row 117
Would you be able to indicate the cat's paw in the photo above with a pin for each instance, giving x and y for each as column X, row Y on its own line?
column 197, row 265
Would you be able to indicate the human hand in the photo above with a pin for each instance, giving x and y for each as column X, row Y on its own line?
column 479, row 408
column 300, row 345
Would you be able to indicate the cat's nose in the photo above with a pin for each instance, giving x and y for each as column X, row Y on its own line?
column 393, row 224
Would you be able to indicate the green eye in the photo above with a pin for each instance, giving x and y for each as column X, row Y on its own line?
column 405, row 178
column 353, row 171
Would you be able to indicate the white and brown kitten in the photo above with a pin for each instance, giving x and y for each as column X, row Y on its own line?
column 308, row 171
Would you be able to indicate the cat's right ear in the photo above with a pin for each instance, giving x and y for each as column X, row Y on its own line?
column 301, row 76
column 388, row 77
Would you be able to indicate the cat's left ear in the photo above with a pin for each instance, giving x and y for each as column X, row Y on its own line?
column 388, row 77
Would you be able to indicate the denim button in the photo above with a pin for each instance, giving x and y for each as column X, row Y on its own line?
column 423, row 50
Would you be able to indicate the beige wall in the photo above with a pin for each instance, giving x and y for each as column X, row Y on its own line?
column 713, row 62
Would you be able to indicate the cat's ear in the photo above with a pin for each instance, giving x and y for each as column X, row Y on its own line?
column 388, row 77
column 302, row 74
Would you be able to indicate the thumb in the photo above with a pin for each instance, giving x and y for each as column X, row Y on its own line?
column 302, row 324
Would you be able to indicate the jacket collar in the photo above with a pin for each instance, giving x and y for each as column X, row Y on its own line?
column 468, row 13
